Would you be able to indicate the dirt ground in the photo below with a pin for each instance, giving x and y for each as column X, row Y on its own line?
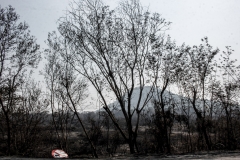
column 214, row 155
column 222, row 155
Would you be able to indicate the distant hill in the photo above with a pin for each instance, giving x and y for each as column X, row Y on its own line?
column 169, row 100
column 173, row 102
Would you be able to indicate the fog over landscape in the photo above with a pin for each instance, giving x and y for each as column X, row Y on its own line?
column 113, row 78
column 219, row 20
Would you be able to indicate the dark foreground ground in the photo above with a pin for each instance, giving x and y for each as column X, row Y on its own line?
column 223, row 155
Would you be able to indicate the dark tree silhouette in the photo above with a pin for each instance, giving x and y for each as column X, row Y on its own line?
column 111, row 49
column 18, row 52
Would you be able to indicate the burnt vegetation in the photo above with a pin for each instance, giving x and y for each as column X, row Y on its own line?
column 169, row 99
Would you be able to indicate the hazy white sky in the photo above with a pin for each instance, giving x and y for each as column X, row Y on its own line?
column 191, row 19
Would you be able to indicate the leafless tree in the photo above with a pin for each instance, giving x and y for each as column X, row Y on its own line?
column 51, row 75
column 18, row 52
column 110, row 48
column 198, row 65
column 164, row 67
column 227, row 94
column 69, row 88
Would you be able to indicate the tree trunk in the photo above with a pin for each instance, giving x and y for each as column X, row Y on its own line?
column 8, row 127
column 131, row 146
column 201, row 121
column 207, row 139
column 164, row 118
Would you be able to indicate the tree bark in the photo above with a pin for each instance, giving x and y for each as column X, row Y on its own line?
column 8, row 127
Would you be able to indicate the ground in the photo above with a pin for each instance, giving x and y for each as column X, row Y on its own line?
column 214, row 155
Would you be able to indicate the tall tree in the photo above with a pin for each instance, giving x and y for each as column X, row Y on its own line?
column 110, row 48
column 198, row 64
column 18, row 52
column 227, row 93
column 63, row 82
column 164, row 67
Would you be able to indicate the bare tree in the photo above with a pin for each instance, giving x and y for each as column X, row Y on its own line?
column 164, row 67
column 227, row 94
column 65, row 85
column 18, row 52
column 198, row 65
column 51, row 75
column 110, row 48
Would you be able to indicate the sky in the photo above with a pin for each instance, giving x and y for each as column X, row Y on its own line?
column 192, row 20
